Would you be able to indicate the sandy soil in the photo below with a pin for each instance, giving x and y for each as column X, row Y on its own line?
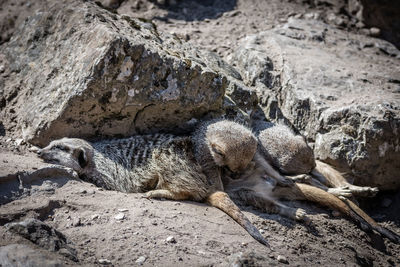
column 204, row 236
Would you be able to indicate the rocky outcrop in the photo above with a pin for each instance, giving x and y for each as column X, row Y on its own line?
column 23, row 255
column 44, row 236
column 321, row 80
column 79, row 70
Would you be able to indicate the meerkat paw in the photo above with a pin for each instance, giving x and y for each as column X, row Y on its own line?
column 285, row 181
column 341, row 191
column 301, row 178
column 293, row 213
column 159, row 193
column 163, row 193
column 301, row 215
column 363, row 191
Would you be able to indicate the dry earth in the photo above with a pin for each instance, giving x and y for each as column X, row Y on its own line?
column 202, row 236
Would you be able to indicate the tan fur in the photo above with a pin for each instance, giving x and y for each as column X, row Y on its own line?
column 291, row 155
column 254, row 189
column 335, row 180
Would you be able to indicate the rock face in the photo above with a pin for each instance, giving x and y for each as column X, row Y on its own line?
column 44, row 236
column 23, row 255
column 320, row 79
column 79, row 70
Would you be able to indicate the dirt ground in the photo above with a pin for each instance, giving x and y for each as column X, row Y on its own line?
column 202, row 236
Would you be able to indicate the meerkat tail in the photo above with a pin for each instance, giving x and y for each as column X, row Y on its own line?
column 383, row 231
column 222, row 201
column 346, row 207
column 329, row 200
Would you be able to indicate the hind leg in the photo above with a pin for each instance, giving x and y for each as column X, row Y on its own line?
column 269, row 205
column 297, row 214
column 330, row 177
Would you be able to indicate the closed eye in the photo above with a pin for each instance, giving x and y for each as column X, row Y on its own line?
column 61, row 147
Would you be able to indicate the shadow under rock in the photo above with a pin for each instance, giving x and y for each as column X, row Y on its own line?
column 193, row 10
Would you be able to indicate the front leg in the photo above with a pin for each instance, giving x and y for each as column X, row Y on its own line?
column 271, row 172
column 164, row 193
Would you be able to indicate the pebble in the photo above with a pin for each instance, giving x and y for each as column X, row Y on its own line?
column 83, row 191
column 34, row 149
column 374, row 31
column 19, row 141
column 120, row 216
column 386, row 202
column 122, row 210
column 282, row 259
column 76, row 222
column 336, row 213
column 2, row 68
column 262, row 231
column 104, row 261
column 95, row 216
column 170, row 239
column 141, row 260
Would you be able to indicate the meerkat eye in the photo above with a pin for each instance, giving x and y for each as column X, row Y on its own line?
column 62, row 148
column 217, row 150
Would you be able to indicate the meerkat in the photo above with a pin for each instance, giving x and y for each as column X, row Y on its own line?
column 291, row 155
column 256, row 189
column 164, row 165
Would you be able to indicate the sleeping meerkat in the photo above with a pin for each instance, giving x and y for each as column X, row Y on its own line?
column 256, row 189
column 291, row 155
column 255, row 186
column 164, row 165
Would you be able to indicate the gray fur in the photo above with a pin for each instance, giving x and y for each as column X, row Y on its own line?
column 283, row 149
column 136, row 164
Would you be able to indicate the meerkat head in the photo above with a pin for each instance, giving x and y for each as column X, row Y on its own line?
column 70, row 152
column 231, row 145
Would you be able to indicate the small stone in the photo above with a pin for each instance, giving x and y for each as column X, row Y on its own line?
column 374, row 31
column 120, row 216
column 282, row 259
column 122, row 210
column 19, row 141
column 83, row 191
column 104, row 261
column 76, row 222
column 298, row 16
column 386, row 202
column 34, row 149
column 141, row 260
column 2, row 68
column 94, row 217
column 360, row 25
column 262, row 231
column 335, row 213
column 170, row 239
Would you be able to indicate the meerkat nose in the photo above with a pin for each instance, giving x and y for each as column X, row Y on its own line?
column 39, row 152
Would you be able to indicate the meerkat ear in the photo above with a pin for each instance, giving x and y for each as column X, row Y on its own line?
column 218, row 150
column 82, row 158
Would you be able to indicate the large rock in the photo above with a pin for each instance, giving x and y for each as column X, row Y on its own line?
column 322, row 80
column 44, row 236
column 23, row 255
column 79, row 70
